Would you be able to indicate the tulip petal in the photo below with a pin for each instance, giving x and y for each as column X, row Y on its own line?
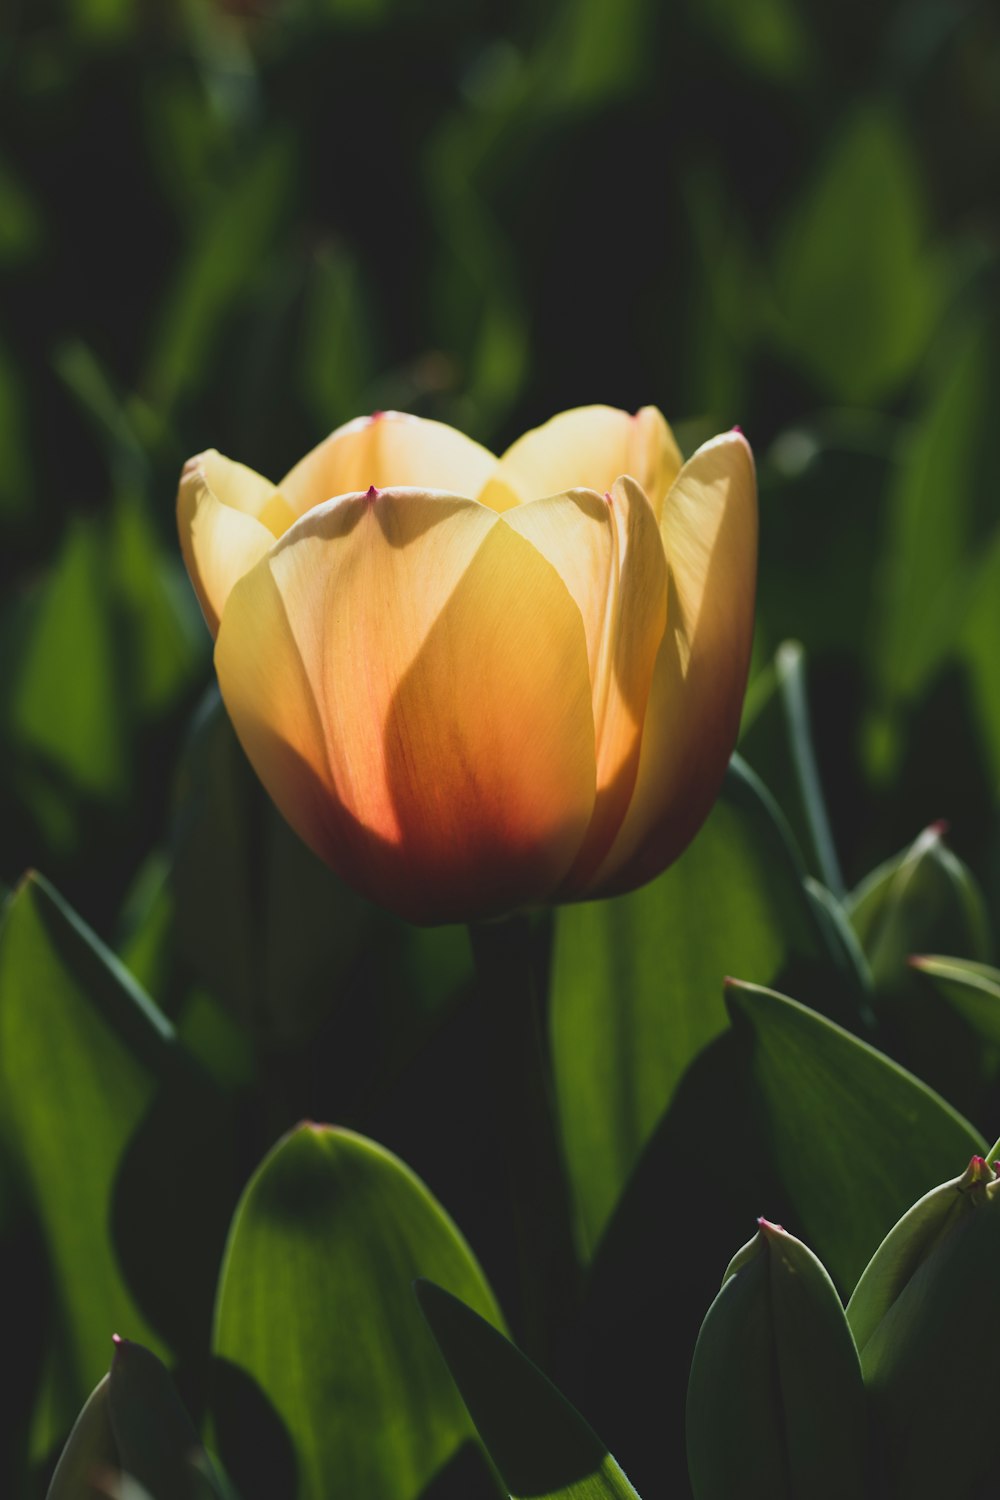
column 607, row 550
column 388, row 449
column 589, row 448
column 409, row 678
column 709, row 531
column 227, row 518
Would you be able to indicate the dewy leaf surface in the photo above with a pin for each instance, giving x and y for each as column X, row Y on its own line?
column 327, row 1381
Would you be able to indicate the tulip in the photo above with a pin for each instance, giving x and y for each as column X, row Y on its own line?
column 474, row 684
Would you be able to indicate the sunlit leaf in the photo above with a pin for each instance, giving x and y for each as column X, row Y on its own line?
column 854, row 1138
column 324, row 1366
column 637, row 982
column 80, row 1047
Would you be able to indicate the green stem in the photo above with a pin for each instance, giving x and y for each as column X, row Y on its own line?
column 528, row 1134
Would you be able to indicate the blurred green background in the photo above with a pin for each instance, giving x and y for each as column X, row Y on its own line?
column 240, row 224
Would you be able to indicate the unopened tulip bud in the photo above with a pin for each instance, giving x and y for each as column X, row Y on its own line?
column 775, row 1400
column 930, row 1362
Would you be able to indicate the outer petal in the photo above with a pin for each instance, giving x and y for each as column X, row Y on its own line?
column 227, row 518
column 388, row 449
column 589, row 448
column 409, row 679
column 709, row 531
column 607, row 550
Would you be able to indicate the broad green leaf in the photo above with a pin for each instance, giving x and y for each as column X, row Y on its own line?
column 854, row 1138
column 778, row 744
column 156, row 1440
column 90, row 1449
column 775, row 1403
column 80, row 1047
column 539, row 1443
column 636, row 987
column 971, row 989
column 856, row 307
column 931, row 1364
column 327, row 1378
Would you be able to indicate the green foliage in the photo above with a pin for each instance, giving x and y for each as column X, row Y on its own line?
column 239, row 224
column 539, row 1443
column 837, row 1113
column 735, row 903
column 323, row 1365
column 776, row 1361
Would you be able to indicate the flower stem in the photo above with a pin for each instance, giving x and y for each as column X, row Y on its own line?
column 526, row 1125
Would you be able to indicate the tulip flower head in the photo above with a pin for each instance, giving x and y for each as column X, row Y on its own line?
column 474, row 684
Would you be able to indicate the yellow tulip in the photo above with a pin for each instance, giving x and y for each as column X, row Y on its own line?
column 474, row 684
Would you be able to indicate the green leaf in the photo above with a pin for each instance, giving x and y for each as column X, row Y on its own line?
column 971, row 989
column 854, row 1138
column 856, row 308
column 89, row 1449
column 80, row 1048
column 636, row 986
column 326, row 1374
column 908, row 1245
column 157, row 1442
column 540, row 1444
column 775, row 1403
column 924, row 899
column 931, row 1365
column 778, row 744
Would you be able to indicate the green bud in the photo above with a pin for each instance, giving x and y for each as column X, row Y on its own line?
column 910, row 1242
column 775, row 1400
column 930, row 1360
